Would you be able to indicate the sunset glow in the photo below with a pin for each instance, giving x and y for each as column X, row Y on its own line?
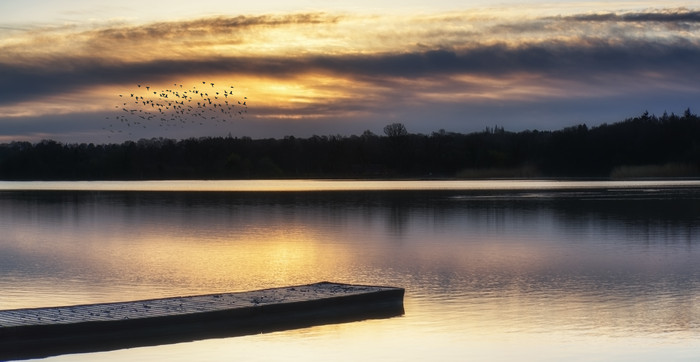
column 344, row 69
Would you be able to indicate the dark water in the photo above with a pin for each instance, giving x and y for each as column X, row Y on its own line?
column 585, row 273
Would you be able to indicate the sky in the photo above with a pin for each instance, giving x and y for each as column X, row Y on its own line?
column 73, row 70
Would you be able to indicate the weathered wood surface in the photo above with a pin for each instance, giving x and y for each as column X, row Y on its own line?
column 40, row 332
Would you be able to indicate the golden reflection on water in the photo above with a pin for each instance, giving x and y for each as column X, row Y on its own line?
column 529, row 278
column 160, row 261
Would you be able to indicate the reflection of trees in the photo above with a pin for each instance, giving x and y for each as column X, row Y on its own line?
column 643, row 219
column 640, row 217
column 669, row 216
column 397, row 218
column 643, row 216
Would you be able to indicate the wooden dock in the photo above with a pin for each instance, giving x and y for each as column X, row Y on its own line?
column 42, row 332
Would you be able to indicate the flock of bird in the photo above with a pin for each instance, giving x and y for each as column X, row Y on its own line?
column 178, row 106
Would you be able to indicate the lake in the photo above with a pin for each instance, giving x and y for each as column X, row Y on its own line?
column 493, row 270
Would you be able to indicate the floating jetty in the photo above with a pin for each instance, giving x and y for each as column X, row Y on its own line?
column 42, row 332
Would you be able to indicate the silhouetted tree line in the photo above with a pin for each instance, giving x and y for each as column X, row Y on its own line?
column 577, row 151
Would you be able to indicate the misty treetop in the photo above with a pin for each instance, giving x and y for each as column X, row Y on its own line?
column 646, row 145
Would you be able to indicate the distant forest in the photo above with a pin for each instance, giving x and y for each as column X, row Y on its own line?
column 644, row 146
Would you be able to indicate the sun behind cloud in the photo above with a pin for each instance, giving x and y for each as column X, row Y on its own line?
column 341, row 66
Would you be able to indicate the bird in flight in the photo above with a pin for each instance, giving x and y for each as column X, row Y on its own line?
column 170, row 108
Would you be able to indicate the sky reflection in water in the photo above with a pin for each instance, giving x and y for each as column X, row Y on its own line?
column 490, row 274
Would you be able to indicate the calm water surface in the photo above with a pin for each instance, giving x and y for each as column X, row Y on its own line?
column 499, row 270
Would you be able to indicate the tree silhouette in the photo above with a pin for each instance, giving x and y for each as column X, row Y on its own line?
column 645, row 145
column 395, row 130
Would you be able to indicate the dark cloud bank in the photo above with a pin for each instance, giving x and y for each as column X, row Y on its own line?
column 572, row 61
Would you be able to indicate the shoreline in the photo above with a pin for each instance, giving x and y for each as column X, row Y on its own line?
column 306, row 185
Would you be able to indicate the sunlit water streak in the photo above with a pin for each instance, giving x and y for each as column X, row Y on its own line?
column 332, row 185
column 592, row 270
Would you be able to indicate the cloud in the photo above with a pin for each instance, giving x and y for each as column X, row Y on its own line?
column 340, row 61
column 570, row 60
column 681, row 15
column 211, row 26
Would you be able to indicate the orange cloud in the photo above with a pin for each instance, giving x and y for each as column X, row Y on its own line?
column 320, row 65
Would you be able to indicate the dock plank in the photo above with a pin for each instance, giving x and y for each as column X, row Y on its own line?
column 41, row 332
